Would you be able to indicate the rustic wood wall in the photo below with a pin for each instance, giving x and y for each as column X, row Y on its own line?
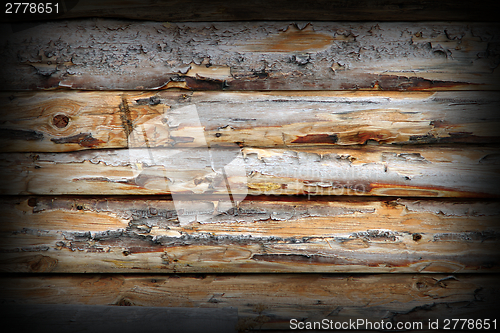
column 335, row 161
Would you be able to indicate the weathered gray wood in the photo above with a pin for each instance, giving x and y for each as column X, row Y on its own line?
column 109, row 54
column 63, row 318
column 67, row 121
column 270, row 301
column 261, row 234
column 436, row 171
column 320, row 10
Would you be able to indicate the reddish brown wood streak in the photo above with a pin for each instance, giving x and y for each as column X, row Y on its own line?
column 280, row 81
column 364, row 136
column 203, row 84
column 292, row 40
column 317, row 138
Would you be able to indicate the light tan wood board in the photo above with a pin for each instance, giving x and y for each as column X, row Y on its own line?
column 267, row 301
column 371, row 170
column 287, row 234
column 60, row 121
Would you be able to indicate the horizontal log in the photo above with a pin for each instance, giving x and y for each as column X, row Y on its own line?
column 112, row 54
column 368, row 170
column 62, row 318
column 68, row 121
column 271, row 301
column 130, row 234
column 321, row 10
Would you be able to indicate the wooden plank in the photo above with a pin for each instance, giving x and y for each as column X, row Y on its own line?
column 271, row 301
column 111, row 54
column 320, row 10
column 368, row 170
column 287, row 234
column 75, row 120
column 55, row 318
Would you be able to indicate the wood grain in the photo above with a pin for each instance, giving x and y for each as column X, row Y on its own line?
column 290, row 234
column 435, row 171
column 112, row 54
column 59, row 121
column 378, row 141
column 270, row 301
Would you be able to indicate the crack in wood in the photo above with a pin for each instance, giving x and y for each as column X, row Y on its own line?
column 126, row 118
column 82, row 139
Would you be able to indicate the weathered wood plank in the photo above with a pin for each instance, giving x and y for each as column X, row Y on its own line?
column 62, row 318
column 366, row 170
column 67, row 121
column 320, row 10
column 121, row 234
column 110, row 54
column 271, row 301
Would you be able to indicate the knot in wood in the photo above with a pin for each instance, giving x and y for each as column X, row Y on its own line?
column 421, row 285
column 60, row 121
column 417, row 237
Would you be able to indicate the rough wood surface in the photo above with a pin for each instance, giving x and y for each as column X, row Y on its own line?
column 320, row 10
column 121, row 234
column 108, row 54
column 368, row 170
column 270, row 301
column 432, row 144
column 67, row 121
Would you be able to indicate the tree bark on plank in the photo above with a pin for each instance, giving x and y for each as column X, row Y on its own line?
column 292, row 234
column 112, row 54
column 68, row 121
column 434, row 171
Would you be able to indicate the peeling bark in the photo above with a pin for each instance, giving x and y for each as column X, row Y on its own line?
column 69, row 121
column 109, row 54
column 437, row 171
column 130, row 234
column 355, row 175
